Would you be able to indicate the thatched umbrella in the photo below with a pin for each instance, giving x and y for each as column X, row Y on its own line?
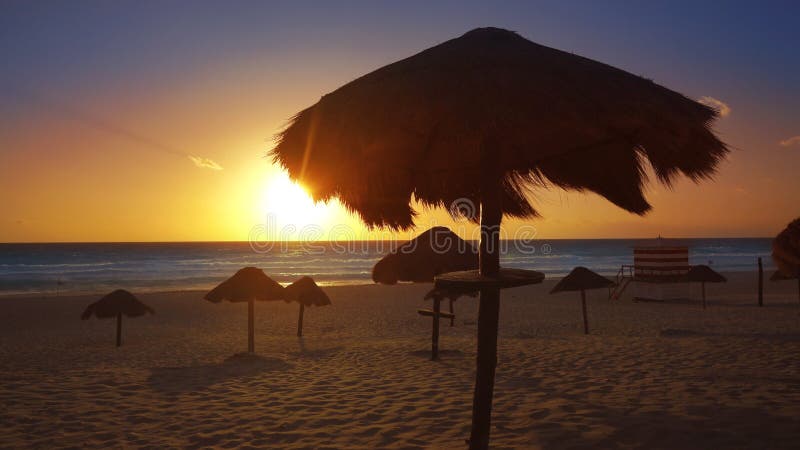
column 778, row 276
column 247, row 285
column 305, row 292
column 581, row 279
column 786, row 251
column 704, row 274
column 116, row 304
column 484, row 117
column 435, row 251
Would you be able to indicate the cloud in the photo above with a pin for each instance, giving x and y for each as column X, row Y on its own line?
column 719, row 105
column 204, row 163
column 790, row 141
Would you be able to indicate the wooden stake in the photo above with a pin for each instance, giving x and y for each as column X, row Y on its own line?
column 119, row 329
column 300, row 321
column 585, row 318
column 760, row 283
column 435, row 331
column 251, row 340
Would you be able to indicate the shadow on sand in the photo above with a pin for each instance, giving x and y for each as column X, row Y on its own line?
column 192, row 378
column 703, row 427
column 314, row 353
column 677, row 333
column 443, row 354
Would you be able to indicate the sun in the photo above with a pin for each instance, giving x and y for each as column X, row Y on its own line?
column 289, row 204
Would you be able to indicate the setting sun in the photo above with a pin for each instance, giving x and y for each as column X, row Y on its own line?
column 289, row 204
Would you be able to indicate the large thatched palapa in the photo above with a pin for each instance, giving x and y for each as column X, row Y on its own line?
column 484, row 117
column 433, row 252
column 116, row 304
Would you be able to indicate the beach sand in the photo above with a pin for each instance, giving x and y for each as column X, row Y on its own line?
column 650, row 375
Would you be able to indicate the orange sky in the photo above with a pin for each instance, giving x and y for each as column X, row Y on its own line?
column 109, row 161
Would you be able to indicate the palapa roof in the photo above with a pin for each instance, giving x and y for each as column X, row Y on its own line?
column 581, row 279
column 705, row 274
column 306, row 292
column 115, row 303
column 434, row 251
column 247, row 284
column 786, row 250
column 425, row 128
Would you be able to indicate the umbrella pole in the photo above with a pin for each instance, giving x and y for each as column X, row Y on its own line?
column 300, row 321
column 488, row 318
column 760, row 283
column 585, row 319
column 703, row 290
column 119, row 329
column 452, row 319
column 435, row 331
column 251, row 344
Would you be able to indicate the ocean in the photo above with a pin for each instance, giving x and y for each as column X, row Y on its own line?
column 50, row 269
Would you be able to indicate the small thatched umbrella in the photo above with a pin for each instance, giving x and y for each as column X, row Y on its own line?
column 704, row 274
column 305, row 292
column 435, row 251
column 786, row 252
column 116, row 304
column 778, row 276
column 482, row 118
column 581, row 279
column 247, row 285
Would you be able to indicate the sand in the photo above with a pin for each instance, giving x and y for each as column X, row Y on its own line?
column 650, row 375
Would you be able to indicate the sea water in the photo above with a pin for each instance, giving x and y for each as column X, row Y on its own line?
column 48, row 269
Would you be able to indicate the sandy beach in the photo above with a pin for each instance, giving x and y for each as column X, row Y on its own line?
column 650, row 375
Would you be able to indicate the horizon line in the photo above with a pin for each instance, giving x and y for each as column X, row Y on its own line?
column 368, row 240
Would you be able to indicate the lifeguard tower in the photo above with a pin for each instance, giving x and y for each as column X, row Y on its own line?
column 660, row 271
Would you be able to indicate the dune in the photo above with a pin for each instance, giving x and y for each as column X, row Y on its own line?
column 650, row 375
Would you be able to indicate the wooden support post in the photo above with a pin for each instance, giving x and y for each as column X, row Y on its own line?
column 760, row 283
column 251, row 344
column 119, row 329
column 703, row 291
column 488, row 314
column 435, row 332
column 300, row 321
column 452, row 319
column 585, row 318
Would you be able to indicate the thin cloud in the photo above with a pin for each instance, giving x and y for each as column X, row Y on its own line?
column 789, row 142
column 204, row 163
column 65, row 111
column 719, row 105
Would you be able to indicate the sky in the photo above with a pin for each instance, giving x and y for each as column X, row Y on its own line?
column 151, row 121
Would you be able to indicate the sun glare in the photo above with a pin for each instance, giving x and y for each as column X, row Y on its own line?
column 290, row 204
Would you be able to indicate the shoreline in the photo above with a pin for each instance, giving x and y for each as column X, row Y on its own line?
column 64, row 294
